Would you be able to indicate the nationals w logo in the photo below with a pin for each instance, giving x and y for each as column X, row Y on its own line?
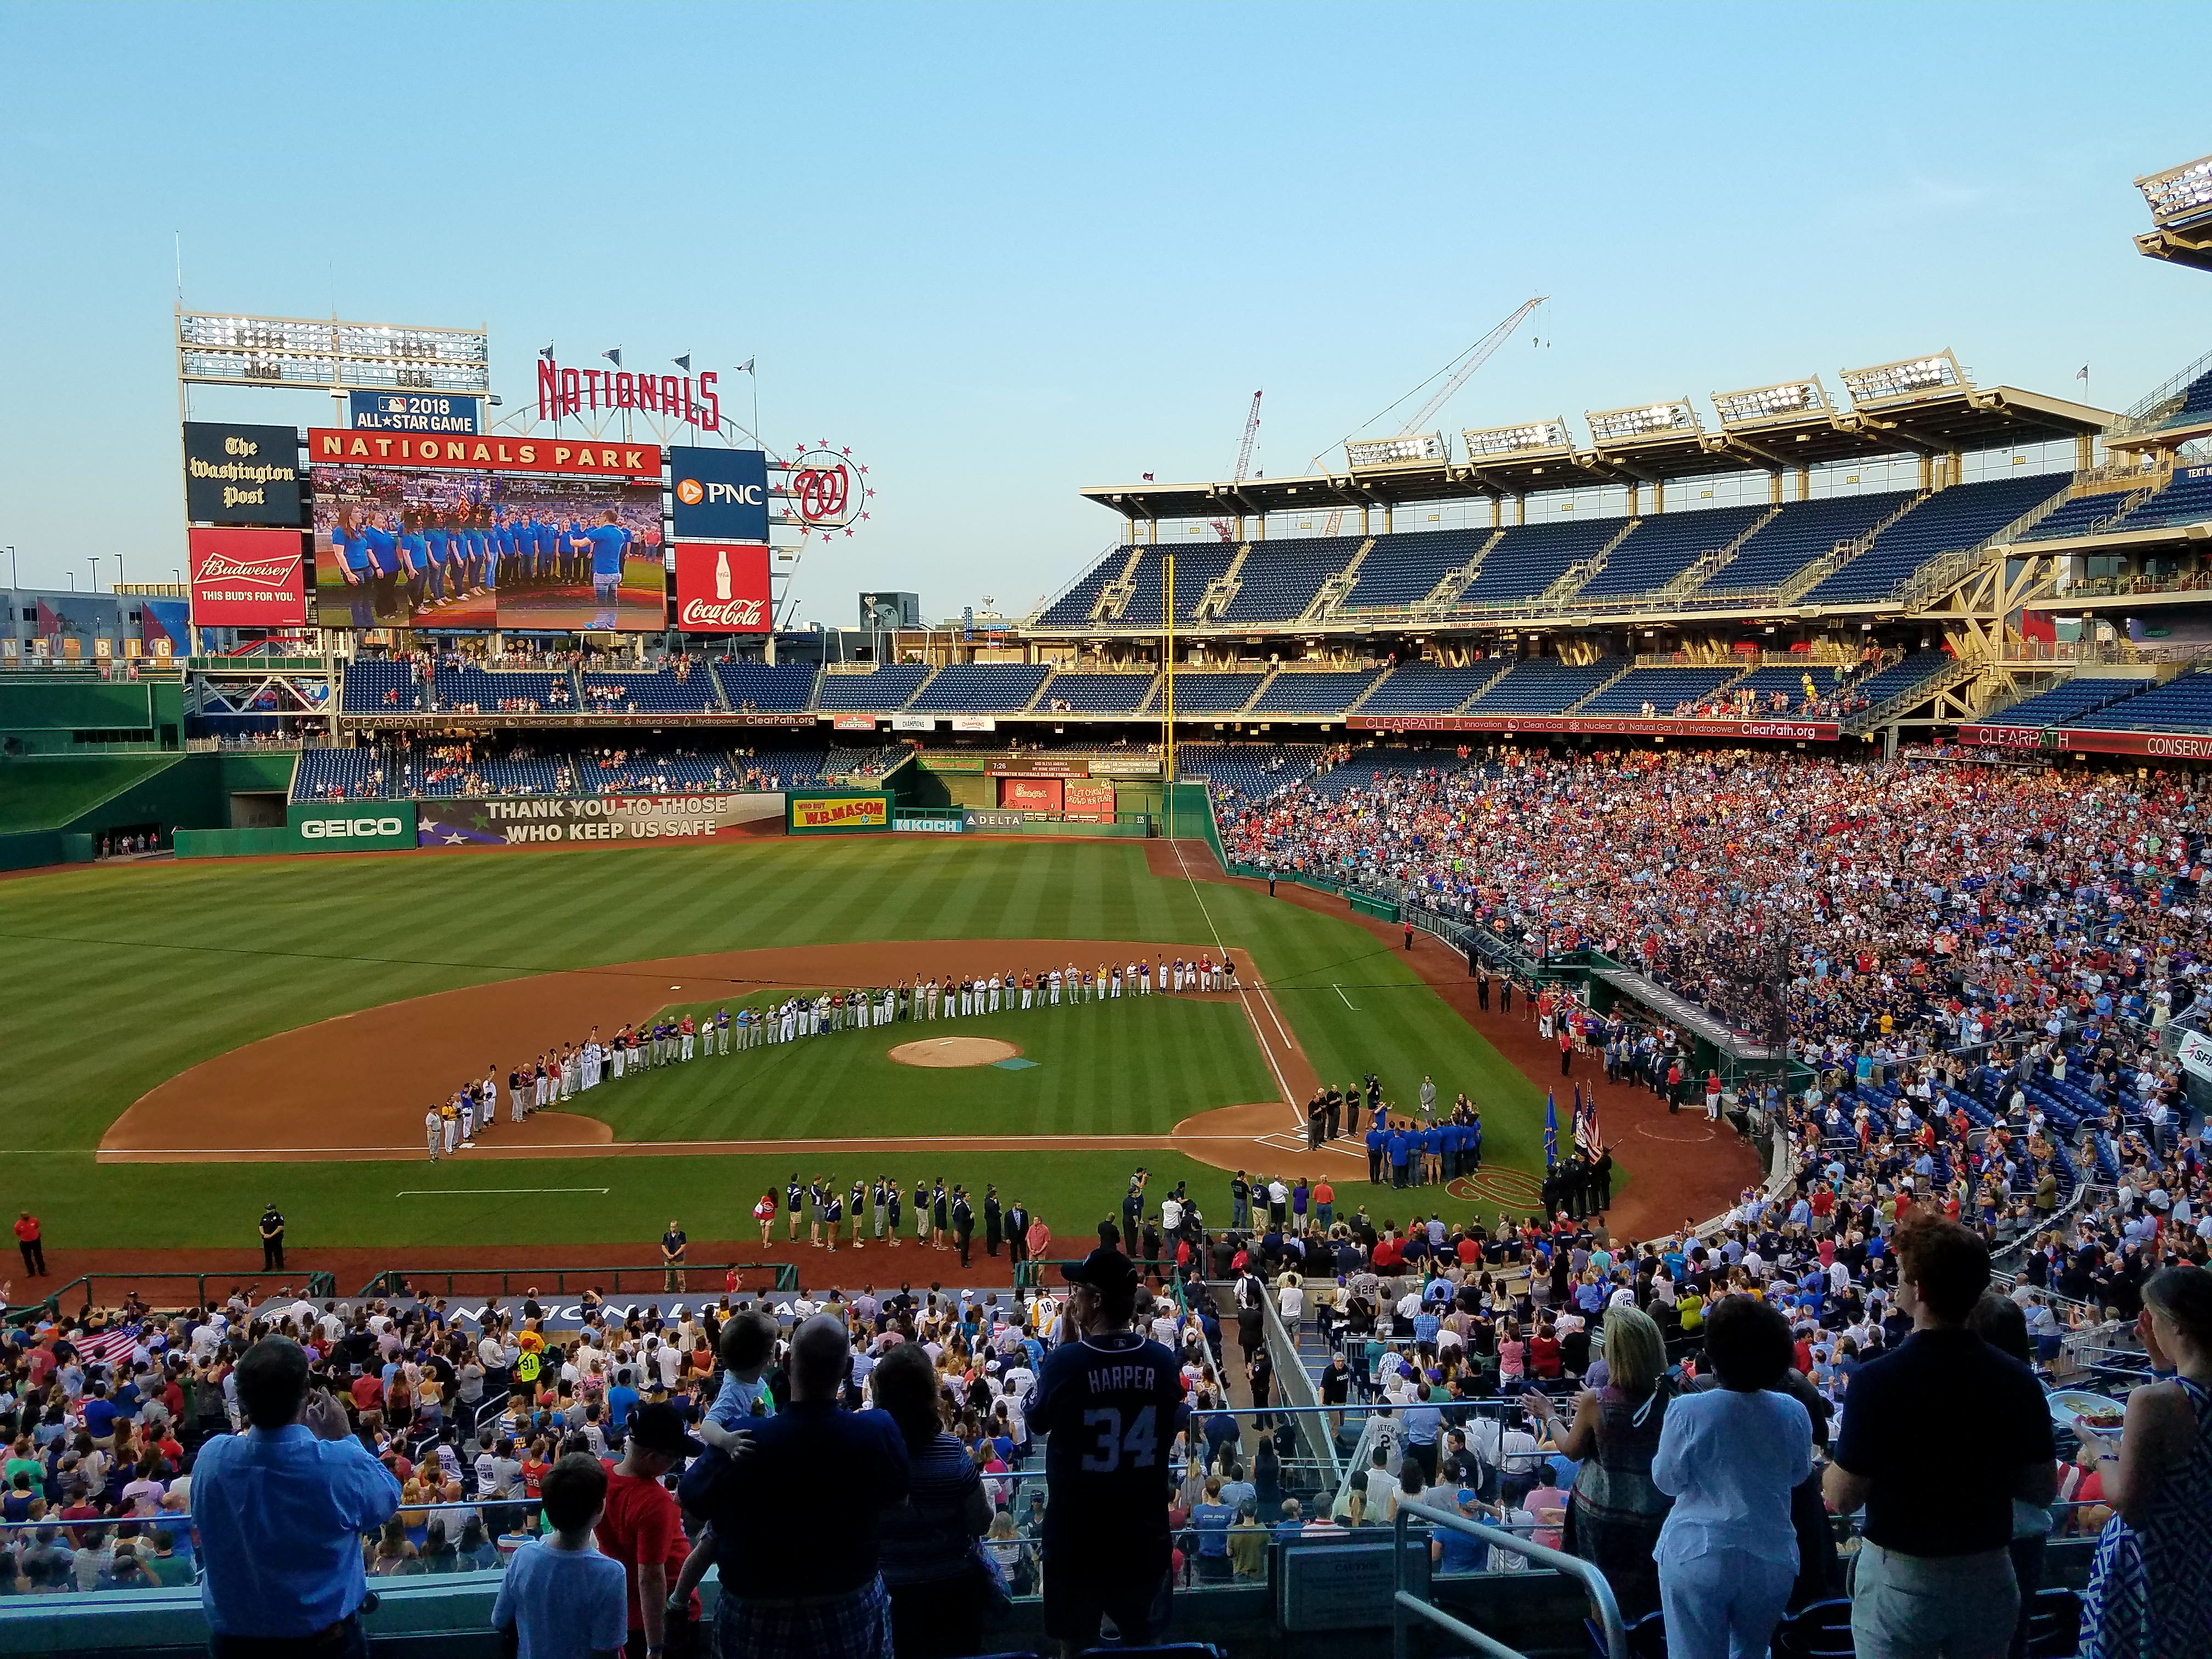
column 820, row 492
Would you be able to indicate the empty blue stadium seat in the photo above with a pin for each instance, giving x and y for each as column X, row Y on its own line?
column 1279, row 578
column 1315, row 692
column 1963, row 516
column 1197, row 565
column 1405, row 569
column 881, row 690
column 1089, row 693
column 1198, row 691
column 1544, row 686
column 769, row 688
column 2181, row 705
column 1073, row 608
column 1918, row 666
column 1530, row 557
column 649, row 692
column 1801, row 533
column 337, row 775
column 1664, row 545
column 2064, row 702
column 2084, row 516
column 1662, row 688
column 374, row 686
column 1420, row 688
column 1250, row 770
column 2186, row 500
column 982, row 688
column 490, row 691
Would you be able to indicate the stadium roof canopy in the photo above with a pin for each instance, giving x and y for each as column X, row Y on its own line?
column 1921, row 407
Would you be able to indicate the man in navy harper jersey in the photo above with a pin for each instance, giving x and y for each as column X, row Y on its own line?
column 1110, row 1401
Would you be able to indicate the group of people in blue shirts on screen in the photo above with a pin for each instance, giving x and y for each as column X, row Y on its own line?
column 445, row 555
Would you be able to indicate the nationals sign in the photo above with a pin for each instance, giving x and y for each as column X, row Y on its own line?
column 247, row 578
column 721, row 588
column 328, row 447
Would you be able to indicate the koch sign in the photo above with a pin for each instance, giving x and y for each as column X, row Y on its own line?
column 412, row 412
column 721, row 495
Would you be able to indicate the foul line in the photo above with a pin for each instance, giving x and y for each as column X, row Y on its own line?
column 1282, row 1083
column 480, row 1192
column 1346, row 1000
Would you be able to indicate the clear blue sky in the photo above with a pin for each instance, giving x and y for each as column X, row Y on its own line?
column 1006, row 252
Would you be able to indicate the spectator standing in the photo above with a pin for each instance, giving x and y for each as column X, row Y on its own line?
column 1110, row 1400
column 561, row 1597
column 640, row 1528
column 1615, row 1512
column 1939, row 1437
column 28, row 1241
column 280, row 1510
column 939, row 1587
column 805, row 1587
column 1727, row 1556
column 2150, row 1591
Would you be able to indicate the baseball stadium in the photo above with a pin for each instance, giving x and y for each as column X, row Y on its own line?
column 1432, row 916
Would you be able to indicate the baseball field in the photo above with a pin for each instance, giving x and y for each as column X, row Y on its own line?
column 187, row 1042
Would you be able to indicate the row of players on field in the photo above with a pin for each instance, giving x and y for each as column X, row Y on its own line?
column 468, row 550
column 560, row 1074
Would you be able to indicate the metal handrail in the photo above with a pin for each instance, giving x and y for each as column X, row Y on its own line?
column 1405, row 1606
column 786, row 1277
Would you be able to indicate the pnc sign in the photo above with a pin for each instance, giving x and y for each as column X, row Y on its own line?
column 721, row 495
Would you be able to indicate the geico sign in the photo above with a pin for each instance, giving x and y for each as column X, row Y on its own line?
column 340, row 828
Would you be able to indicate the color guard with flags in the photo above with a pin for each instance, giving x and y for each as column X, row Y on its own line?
column 1551, row 1129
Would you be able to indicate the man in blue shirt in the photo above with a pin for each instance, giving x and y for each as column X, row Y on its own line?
column 1400, row 1155
column 280, row 1510
column 827, row 1475
column 608, row 542
column 1378, row 1141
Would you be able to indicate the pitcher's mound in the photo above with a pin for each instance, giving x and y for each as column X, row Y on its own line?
column 954, row 1051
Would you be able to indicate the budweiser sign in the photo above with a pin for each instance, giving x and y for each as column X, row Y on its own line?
column 722, row 587
column 247, row 578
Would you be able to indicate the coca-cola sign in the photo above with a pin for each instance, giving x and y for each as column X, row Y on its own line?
column 722, row 587
column 247, row 578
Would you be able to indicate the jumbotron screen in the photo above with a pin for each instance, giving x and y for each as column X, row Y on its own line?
column 402, row 548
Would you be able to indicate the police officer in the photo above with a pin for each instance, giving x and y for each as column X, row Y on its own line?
column 272, row 1239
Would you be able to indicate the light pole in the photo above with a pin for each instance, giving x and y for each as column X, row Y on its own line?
column 12, row 583
column 93, row 559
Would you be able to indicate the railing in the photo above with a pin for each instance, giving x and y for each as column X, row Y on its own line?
column 318, row 1284
column 410, row 1281
column 2151, row 410
column 1406, row 1607
column 2104, row 586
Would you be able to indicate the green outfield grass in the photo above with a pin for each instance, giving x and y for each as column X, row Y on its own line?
column 117, row 978
column 1137, row 1065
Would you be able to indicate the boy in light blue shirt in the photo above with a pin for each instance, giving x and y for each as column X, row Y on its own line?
column 748, row 1344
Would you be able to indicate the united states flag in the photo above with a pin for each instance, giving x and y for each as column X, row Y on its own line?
column 109, row 1347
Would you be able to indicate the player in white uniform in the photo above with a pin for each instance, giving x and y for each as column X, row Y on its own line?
column 430, row 1127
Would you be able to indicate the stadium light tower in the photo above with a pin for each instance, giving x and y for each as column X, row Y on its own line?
column 2180, row 200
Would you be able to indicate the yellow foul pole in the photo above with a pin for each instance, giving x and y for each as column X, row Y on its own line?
column 1167, row 697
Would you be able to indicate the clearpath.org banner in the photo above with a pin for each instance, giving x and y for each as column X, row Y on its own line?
column 527, row 822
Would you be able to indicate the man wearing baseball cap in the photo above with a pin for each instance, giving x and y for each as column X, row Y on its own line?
column 1111, row 1401
column 639, row 1527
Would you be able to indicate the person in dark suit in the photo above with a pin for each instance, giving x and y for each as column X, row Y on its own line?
column 991, row 1219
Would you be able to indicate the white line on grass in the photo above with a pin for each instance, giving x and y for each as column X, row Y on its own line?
column 1281, row 1082
column 482, row 1192
column 1347, row 1001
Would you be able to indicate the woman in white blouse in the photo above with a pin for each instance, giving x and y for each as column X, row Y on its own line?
column 1730, row 1457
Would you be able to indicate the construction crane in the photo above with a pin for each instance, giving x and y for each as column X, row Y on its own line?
column 1223, row 527
column 1473, row 358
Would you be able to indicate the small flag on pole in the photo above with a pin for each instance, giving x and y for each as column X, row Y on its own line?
column 614, row 356
column 744, row 368
column 2082, row 372
column 683, row 362
column 547, row 354
column 1551, row 1129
